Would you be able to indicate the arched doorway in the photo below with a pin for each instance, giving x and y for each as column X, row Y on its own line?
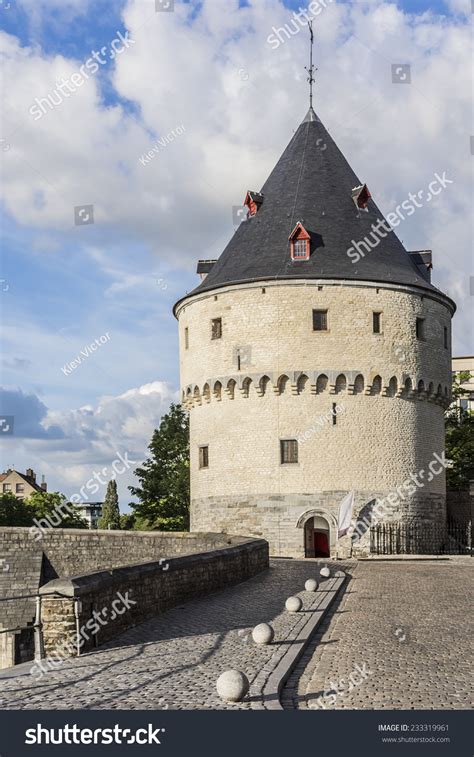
column 317, row 538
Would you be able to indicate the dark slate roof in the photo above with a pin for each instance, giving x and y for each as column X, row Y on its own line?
column 312, row 183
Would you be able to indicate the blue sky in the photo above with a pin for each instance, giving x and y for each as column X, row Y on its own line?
column 66, row 285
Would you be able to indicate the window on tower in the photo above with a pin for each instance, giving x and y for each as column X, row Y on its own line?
column 320, row 320
column 300, row 243
column 377, row 323
column 204, row 456
column 288, row 451
column 420, row 328
column 216, row 328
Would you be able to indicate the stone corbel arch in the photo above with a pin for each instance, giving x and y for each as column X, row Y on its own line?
column 315, row 512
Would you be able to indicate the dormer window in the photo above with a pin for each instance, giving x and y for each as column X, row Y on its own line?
column 300, row 243
column 252, row 201
column 361, row 196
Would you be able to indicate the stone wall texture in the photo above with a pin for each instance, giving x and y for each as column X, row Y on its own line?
column 152, row 588
column 68, row 553
column 389, row 405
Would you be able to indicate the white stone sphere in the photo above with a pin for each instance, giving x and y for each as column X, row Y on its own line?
column 293, row 604
column 340, row 574
column 311, row 585
column 232, row 685
column 325, row 572
column 263, row 633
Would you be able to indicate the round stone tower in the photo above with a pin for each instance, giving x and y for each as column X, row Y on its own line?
column 315, row 361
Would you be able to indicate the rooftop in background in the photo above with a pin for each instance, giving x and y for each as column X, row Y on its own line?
column 21, row 484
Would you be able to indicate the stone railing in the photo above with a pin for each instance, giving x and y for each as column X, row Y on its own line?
column 83, row 612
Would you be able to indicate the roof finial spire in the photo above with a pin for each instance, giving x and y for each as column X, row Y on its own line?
column 311, row 70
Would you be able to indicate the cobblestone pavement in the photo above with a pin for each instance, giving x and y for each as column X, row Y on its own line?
column 408, row 626
column 174, row 660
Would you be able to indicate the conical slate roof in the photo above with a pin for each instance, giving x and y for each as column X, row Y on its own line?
column 312, row 183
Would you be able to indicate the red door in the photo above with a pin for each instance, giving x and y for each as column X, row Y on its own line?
column 321, row 544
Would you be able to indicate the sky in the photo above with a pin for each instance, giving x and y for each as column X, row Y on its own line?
column 203, row 85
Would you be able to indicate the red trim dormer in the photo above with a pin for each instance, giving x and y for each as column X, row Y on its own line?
column 300, row 243
column 361, row 196
column 253, row 200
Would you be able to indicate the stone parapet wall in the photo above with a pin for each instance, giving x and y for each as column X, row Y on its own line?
column 151, row 588
column 72, row 552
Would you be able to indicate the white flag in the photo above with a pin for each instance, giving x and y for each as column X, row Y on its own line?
column 345, row 515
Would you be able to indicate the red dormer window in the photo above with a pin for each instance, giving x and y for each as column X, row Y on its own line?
column 361, row 196
column 300, row 243
column 253, row 200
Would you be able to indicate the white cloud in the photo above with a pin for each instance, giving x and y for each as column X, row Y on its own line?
column 69, row 446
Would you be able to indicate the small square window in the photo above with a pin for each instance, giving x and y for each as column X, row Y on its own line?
column 19, row 488
column 288, row 451
column 7, row 487
column 300, row 249
column 204, row 457
column 186, row 338
column 216, row 328
column 377, row 323
column 320, row 320
column 420, row 328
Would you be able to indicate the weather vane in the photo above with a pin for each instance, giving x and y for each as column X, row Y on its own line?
column 311, row 70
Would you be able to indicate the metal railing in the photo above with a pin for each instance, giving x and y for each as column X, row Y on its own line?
column 37, row 625
column 452, row 538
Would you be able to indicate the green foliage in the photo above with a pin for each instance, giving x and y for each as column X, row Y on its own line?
column 52, row 506
column 127, row 521
column 110, row 511
column 55, row 507
column 459, row 438
column 163, row 490
column 14, row 511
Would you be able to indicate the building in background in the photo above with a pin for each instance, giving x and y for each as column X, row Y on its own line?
column 465, row 365
column 22, row 485
column 91, row 512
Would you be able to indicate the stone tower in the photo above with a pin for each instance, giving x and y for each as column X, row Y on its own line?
column 315, row 360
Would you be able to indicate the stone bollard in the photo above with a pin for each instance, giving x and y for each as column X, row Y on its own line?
column 311, row 585
column 293, row 604
column 263, row 633
column 325, row 572
column 232, row 685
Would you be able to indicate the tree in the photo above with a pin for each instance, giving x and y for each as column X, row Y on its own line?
column 14, row 511
column 39, row 506
column 56, row 509
column 459, row 438
column 111, row 511
column 163, row 490
column 127, row 521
